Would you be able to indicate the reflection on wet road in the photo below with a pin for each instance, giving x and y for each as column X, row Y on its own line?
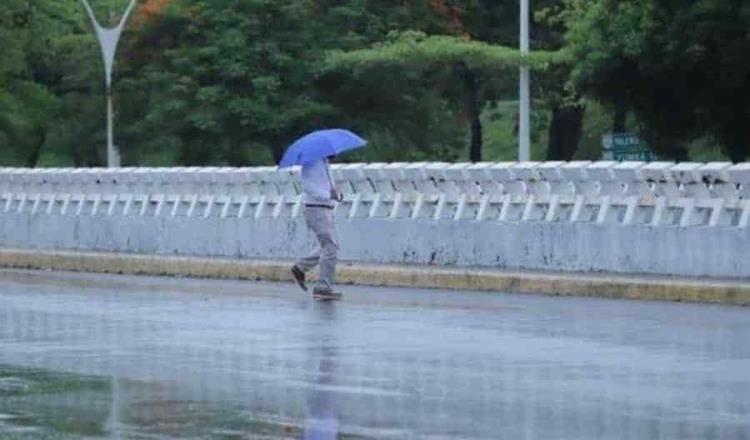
column 126, row 357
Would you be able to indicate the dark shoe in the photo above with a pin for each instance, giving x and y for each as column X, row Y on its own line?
column 299, row 277
column 322, row 293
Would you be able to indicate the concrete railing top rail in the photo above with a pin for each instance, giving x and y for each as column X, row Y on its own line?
column 656, row 193
column 580, row 170
column 732, row 178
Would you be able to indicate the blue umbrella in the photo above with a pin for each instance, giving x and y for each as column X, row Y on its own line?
column 320, row 144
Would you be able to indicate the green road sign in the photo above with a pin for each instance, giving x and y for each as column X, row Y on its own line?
column 625, row 146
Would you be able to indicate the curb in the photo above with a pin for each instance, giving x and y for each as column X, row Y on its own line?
column 729, row 292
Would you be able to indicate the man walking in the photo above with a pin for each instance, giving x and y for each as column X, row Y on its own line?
column 319, row 196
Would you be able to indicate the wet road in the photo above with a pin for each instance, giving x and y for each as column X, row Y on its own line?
column 127, row 357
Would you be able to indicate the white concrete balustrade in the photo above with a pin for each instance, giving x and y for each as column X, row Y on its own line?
column 688, row 219
column 627, row 193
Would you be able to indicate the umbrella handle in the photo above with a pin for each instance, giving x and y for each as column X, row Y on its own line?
column 330, row 179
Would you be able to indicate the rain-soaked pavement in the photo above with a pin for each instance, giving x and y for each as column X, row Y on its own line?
column 125, row 357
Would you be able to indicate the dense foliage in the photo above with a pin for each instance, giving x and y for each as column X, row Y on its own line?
column 232, row 82
column 681, row 66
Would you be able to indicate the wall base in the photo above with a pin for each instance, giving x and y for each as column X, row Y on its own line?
column 730, row 292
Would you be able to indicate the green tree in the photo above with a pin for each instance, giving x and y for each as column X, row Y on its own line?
column 467, row 59
column 224, row 80
column 25, row 105
column 398, row 109
column 236, row 81
column 637, row 56
column 44, row 42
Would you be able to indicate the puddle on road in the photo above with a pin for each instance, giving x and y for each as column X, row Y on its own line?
column 40, row 404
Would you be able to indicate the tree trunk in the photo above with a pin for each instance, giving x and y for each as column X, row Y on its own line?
column 565, row 132
column 77, row 159
column 681, row 154
column 620, row 118
column 473, row 112
column 475, row 148
column 277, row 151
column 37, row 139
column 735, row 137
column 737, row 154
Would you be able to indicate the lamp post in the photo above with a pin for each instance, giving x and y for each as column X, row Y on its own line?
column 524, row 104
column 108, row 39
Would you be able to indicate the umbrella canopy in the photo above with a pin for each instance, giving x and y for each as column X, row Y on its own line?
column 320, row 144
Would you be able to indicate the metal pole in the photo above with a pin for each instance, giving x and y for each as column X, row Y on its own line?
column 113, row 158
column 524, row 101
column 108, row 39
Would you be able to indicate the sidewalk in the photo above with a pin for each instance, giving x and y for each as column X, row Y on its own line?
column 730, row 292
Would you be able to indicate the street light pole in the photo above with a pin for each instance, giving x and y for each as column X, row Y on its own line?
column 108, row 39
column 524, row 101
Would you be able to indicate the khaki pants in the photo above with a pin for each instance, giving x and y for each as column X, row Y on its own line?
column 320, row 222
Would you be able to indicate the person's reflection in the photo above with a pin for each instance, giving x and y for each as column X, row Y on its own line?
column 322, row 416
